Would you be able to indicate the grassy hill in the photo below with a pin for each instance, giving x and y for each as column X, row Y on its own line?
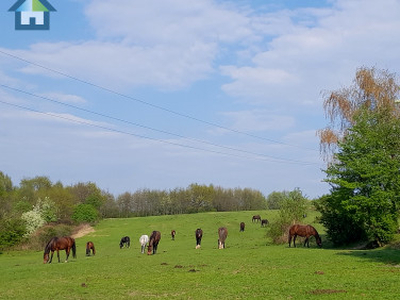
column 250, row 267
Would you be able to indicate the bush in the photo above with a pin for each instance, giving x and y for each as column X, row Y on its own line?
column 85, row 213
column 40, row 238
column 12, row 231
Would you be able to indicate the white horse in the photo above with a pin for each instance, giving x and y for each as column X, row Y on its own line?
column 144, row 239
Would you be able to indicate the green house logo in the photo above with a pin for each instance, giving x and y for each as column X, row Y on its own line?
column 32, row 14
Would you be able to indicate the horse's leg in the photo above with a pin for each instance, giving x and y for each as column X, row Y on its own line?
column 67, row 253
column 306, row 241
column 290, row 239
column 51, row 257
column 294, row 240
column 58, row 255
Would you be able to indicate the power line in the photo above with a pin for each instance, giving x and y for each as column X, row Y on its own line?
column 109, row 90
column 254, row 155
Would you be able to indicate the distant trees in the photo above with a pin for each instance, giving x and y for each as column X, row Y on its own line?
column 37, row 202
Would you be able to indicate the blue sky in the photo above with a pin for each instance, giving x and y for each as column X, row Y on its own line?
column 161, row 94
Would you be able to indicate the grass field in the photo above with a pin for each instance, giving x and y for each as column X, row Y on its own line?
column 249, row 268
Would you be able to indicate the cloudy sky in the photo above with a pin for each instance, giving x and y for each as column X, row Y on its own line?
column 160, row 94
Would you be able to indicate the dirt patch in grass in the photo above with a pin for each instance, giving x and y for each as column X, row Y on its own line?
column 82, row 230
column 326, row 291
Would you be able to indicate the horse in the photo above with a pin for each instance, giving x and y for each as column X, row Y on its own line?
column 144, row 239
column 90, row 246
column 264, row 222
column 125, row 241
column 155, row 238
column 242, row 225
column 256, row 218
column 199, row 234
column 222, row 234
column 173, row 233
column 304, row 231
column 59, row 243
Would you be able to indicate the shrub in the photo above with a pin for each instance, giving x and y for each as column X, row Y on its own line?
column 12, row 231
column 85, row 213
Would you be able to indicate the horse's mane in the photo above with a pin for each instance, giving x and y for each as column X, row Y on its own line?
column 47, row 249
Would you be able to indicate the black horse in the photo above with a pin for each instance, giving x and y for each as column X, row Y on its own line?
column 125, row 241
column 199, row 235
column 264, row 222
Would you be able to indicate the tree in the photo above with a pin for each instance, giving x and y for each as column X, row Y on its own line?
column 275, row 199
column 372, row 89
column 365, row 181
column 364, row 171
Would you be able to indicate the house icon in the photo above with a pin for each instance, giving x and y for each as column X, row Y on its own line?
column 32, row 14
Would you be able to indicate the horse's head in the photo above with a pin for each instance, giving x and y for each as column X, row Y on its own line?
column 45, row 258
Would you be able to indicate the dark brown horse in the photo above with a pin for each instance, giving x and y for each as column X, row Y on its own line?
column 264, row 222
column 59, row 243
column 90, row 246
column 173, row 233
column 256, row 218
column 199, row 234
column 222, row 235
column 242, row 225
column 304, row 231
column 155, row 238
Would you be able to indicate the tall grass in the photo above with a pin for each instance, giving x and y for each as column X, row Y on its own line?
column 251, row 267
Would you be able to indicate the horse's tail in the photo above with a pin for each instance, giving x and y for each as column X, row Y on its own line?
column 94, row 250
column 73, row 248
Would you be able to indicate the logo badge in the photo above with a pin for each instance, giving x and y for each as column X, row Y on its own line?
column 32, row 14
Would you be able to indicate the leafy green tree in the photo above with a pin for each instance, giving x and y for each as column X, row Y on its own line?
column 365, row 180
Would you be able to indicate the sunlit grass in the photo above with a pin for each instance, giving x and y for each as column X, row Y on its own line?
column 250, row 267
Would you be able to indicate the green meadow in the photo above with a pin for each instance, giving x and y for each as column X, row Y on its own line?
column 249, row 268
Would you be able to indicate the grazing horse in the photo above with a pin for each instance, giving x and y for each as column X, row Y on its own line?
column 90, row 246
column 125, row 241
column 222, row 234
column 59, row 243
column 303, row 231
column 199, row 235
column 155, row 238
column 264, row 222
column 256, row 218
column 173, row 233
column 144, row 239
column 242, row 226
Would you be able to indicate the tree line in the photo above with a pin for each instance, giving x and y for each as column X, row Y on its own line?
column 37, row 201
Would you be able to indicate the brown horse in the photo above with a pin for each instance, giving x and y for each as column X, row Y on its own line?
column 90, row 246
column 304, row 231
column 59, row 243
column 222, row 234
column 173, row 233
column 155, row 238
column 242, row 225
column 256, row 218
column 199, row 234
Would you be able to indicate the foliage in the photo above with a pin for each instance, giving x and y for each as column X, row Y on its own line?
column 293, row 207
column 12, row 231
column 275, row 199
column 85, row 213
column 372, row 89
column 365, row 181
column 45, row 233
